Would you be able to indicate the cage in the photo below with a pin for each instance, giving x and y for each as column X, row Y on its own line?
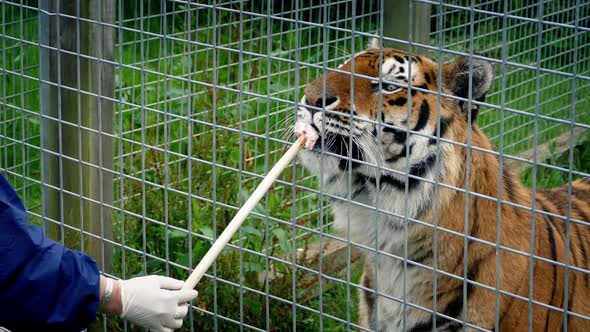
column 134, row 130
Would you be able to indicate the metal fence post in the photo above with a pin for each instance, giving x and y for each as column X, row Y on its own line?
column 77, row 122
column 396, row 23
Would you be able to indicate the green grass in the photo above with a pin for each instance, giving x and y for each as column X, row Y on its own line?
column 549, row 178
column 166, row 82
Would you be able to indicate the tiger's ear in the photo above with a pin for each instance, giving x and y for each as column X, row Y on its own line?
column 375, row 41
column 456, row 79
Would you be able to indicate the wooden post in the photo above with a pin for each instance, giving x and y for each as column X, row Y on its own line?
column 396, row 24
column 77, row 122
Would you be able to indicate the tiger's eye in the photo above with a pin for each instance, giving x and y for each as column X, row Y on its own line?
column 390, row 87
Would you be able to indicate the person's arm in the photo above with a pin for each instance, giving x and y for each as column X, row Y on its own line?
column 43, row 285
column 47, row 287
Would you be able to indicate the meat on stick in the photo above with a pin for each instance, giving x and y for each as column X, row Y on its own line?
column 306, row 129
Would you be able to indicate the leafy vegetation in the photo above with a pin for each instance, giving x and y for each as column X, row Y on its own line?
column 547, row 177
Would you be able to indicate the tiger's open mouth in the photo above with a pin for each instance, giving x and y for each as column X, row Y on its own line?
column 335, row 138
column 351, row 153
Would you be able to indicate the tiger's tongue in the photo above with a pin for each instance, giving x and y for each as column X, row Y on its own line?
column 311, row 136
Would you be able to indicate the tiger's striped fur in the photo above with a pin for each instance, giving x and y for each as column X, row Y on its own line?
column 363, row 158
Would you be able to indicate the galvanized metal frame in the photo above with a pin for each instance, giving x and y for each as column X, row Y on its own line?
column 144, row 126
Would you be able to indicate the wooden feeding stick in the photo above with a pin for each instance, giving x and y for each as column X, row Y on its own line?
column 239, row 218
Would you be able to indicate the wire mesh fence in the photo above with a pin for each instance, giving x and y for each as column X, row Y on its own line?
column 138, row 150
column 524, row 35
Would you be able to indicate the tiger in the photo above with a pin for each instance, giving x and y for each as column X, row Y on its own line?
column 446, row 228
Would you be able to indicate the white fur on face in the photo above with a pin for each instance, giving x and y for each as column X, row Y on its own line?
column 394, row 70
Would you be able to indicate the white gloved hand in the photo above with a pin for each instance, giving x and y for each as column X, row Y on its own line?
column 155, row 302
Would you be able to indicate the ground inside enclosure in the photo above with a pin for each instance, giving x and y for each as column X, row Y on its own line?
column 204, row 105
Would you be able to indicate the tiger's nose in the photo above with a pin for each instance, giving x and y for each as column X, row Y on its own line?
column 318, row 101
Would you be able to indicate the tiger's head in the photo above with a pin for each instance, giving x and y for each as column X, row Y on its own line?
column 387, row 108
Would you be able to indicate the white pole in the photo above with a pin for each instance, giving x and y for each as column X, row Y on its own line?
column 242, row 214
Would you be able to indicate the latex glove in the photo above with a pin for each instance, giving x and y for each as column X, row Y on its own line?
column 155, row 302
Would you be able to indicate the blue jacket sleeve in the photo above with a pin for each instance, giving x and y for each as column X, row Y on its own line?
column 43, row 285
